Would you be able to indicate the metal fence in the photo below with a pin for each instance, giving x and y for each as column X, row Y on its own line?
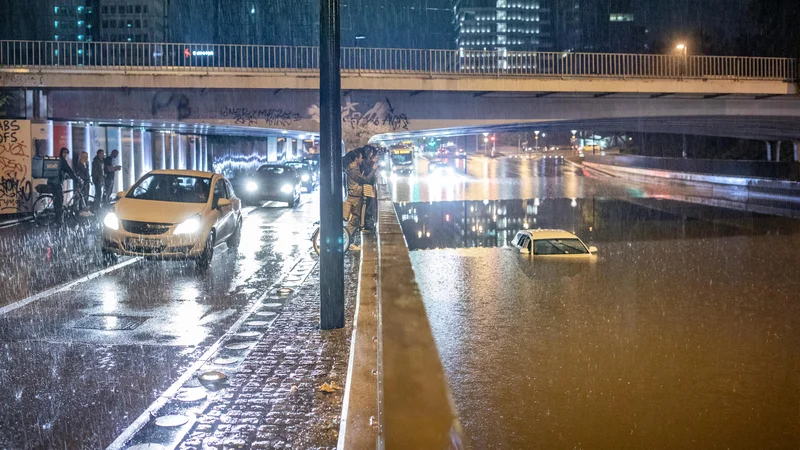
column 162, row 57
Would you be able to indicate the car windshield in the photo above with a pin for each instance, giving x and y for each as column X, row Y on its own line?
column 297, row 165
column 558, row 247
column 171, row 188
column 401, row 158
column 275, row 170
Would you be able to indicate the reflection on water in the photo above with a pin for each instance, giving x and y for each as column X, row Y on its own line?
column 683, row 334
column 493, row 223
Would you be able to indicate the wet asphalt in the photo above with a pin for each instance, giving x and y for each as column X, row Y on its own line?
column 79, row 365
column 682, row 334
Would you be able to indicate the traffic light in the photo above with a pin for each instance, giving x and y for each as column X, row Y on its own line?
column 492, row 138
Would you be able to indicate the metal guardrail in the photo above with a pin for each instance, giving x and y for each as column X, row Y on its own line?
column 176, row 57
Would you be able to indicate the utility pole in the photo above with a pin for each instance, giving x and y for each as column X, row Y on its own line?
column 331, row 255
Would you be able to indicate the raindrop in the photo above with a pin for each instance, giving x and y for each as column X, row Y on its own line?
column 248, row 334
column 257, row 323
column 266, row 313
column 272, row 305
column 239, row 345
column 191, row 395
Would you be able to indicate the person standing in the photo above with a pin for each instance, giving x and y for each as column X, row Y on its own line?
column 355, row 191
column 110, row 171
column 98, row 178
column 370, row 189
column 56, row 184
column 82, row 171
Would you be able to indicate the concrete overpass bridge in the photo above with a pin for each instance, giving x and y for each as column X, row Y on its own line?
column 264, row 91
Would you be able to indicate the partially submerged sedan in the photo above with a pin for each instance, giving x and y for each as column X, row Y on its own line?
column 174, row 214
column 552, row 244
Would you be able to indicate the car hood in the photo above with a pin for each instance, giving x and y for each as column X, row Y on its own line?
column 158, row 212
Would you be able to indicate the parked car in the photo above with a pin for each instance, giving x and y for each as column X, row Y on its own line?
column 308, row 175
column 552, row 244
column 276, row 182
column 173, row 214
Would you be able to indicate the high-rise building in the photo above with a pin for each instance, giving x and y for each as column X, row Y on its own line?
column 504, row 25
column 133, row 20
column 74, row 20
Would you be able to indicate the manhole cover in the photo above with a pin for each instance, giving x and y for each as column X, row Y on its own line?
column 266, row 313
column 256, row 323
column 224, row 361
column 239, row 345
column 147, row 447
column 110, row 322
column 248, row 334
column 213, row 377
column 173, row 420
column 272, row 305
column 191, row 395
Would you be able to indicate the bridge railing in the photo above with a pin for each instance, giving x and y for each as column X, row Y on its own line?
column 176, row 57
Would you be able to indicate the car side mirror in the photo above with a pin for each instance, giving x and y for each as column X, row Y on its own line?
column 121, row 194
column 593, row 250
column 524, row 250
column 222, row 202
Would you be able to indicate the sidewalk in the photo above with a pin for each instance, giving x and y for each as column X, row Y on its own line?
column 272, row 400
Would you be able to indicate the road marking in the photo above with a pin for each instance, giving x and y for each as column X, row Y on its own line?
column 66, row 286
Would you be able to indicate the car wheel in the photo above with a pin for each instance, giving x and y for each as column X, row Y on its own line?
column 236, row 237
column 204, row 260
column 292, row 203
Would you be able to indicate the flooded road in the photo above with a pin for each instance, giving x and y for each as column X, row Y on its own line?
column 106, row 348
column 682, row 334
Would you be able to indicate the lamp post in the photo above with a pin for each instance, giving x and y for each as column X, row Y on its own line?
column 537, row 139
column 683, row 50
column 485, row 143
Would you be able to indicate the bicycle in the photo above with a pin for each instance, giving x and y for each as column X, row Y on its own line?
column 315, row 239
column 44, row 213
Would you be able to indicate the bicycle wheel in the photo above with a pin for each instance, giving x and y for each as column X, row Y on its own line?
column 345, row 241
column 44, row 212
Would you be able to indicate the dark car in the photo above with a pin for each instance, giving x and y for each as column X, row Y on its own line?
column 278, row 182
column 308, row 175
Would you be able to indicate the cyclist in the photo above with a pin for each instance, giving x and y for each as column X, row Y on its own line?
column 56, row 184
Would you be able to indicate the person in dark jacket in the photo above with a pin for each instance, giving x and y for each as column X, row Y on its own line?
column 56, row 184
column 110, row 172
column 98, row 178
column 370, row 205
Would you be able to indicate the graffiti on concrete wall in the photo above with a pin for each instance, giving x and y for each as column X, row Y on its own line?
column 268, row 117
column 165, row 102
column 358, row 125
column 15, row 163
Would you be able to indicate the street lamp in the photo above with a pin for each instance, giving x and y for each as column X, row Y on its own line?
column 682, row 48
column 359, row 37
column 537, row 139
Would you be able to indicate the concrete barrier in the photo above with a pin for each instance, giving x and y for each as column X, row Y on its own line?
column 747, row 186
column 396, row 395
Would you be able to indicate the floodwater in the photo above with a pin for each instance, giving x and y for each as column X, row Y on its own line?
column 683, row 333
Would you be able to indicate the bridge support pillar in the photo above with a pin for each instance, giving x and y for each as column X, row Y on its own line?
column 35, row 104
column 796, row 145
column 769, row 150
column 778, row 151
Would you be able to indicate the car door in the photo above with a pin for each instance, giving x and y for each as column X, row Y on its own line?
column 224, row 213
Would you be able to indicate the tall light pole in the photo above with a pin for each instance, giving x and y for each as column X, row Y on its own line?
column 331, row 255
column 485, row 143
column 537, row 139
column 683, row 50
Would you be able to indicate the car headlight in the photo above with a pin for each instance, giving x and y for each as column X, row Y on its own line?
column 287, row 188
column 251, row 186
column 111, row 221
column 188, row 226
column 305, row 178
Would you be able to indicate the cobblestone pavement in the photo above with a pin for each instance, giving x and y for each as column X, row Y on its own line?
column 274, row 401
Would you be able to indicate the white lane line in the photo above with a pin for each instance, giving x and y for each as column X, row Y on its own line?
column 66, row 286
column 151, row 412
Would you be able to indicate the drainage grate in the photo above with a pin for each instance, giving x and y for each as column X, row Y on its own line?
column 110, row 322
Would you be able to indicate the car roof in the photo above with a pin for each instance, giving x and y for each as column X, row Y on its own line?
column 184, row 172
column 540, row 233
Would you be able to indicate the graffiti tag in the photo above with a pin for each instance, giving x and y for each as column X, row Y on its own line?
column 15, row 160
column 270, row 117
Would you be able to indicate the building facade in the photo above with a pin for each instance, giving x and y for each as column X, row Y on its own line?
column 133, row 20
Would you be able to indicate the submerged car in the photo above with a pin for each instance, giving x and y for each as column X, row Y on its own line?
column 308, row 175
column 276, row 182
column 173, row 214
column 552, row 244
